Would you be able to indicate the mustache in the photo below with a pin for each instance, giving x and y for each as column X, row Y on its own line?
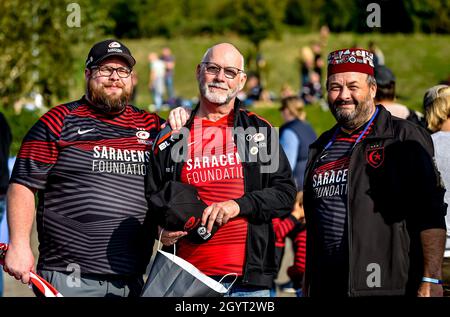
column 105, row 103
column 117, row 84
column 218, row 85
column 345, row 102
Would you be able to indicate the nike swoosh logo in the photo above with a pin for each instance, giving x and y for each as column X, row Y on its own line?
column 85, row 131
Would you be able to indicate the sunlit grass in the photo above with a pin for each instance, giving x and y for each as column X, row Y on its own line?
column 419, row 61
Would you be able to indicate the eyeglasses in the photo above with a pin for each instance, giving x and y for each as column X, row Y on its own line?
column 106, row 71
column 214, row 69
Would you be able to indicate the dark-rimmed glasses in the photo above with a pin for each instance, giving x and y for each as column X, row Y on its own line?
column 106, row 71
column 214, row 69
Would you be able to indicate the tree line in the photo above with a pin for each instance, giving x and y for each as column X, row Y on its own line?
column 170, row 18
column 38, row 44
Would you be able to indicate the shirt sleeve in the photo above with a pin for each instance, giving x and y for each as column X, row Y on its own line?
column 39, row 150
column 282, row 227
column 290, row 143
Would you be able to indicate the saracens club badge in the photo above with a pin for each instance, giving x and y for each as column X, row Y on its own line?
column 375, row 156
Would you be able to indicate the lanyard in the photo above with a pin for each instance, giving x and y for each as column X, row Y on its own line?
column 359, row 137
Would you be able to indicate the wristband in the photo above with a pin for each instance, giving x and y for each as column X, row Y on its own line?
column 431, row 280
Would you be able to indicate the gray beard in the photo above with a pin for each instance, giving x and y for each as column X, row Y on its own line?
column 215, row 98
column 352, row 121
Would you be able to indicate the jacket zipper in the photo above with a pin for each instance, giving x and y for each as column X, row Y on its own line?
column 314, row 159
column 349, row 222
column 349, row 231
column 245, row 268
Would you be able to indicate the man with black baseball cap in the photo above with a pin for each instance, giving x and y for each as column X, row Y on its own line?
column 108, row 48
column 86, row 160
column 108, row 76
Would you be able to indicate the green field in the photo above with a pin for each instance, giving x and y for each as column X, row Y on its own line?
column 419, row 61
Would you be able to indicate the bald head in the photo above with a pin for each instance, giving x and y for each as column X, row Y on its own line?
column 227, row 52
column 220, row 77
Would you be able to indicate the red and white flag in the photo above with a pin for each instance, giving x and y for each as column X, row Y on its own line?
column 42, row 285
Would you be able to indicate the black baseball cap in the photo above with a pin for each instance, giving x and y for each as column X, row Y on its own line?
column 383, row 75
column 102, row 50
column 182, row 210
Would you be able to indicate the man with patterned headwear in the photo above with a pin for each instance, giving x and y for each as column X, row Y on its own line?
column 373, row 197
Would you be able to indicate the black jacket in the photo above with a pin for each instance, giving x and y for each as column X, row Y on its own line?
column 267, row 195
column 390, row 201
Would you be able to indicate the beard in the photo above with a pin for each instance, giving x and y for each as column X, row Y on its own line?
column 108, row 103
column 217, row 97
column 352, row 120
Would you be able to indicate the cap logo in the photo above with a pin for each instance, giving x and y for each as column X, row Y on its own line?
column 113, row 44
column 191, row 223
column 117, row 50
column 203, row 233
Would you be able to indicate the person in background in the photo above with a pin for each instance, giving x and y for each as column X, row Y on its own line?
column 156, row 80
column 253, row 90
column 298, row 235
column 318, row 59
column 386, row 96
column 169, row 61
column 296, row 134
column 378, row 56
column 293, row 227
column 432, row 93
column 306, row 60
column 312, row 91
column 438, row 119
column 324, row 35
column 286, row 91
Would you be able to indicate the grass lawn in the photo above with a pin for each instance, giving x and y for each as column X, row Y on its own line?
column 419, row 61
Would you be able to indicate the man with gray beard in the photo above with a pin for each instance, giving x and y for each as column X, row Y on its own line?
column 89, row 219
column 242, row 195
column 372, row 195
